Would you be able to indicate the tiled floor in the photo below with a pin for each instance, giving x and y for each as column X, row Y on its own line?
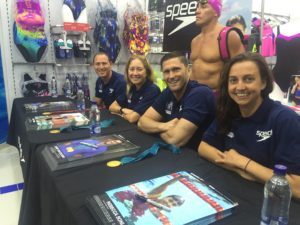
column 10, row 175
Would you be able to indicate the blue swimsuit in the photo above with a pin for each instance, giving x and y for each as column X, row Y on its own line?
column 76, row 6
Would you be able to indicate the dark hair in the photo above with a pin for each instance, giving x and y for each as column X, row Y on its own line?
column 236, row 19
column 227, row 109
column 172, row 55
column 102, row 53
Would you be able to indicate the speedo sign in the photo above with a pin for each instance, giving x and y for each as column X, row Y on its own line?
column 180, row 26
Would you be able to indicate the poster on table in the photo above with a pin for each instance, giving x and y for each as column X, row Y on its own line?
column 180, row 16
column 3, row 109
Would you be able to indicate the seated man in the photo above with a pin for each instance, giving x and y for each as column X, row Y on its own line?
column 109, row 84
column 184, row 109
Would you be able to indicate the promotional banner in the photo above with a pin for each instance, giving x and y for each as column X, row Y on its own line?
column 3, row 109
column 180, row 27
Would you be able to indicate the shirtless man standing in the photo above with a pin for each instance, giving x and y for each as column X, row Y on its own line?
column 205, row 55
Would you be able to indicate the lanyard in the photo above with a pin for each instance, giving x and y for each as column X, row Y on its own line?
column 152, row 151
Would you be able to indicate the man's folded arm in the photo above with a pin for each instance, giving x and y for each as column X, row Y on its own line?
column 180, row 134
column 150, row 122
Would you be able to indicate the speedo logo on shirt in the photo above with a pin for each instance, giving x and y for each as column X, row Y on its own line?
column 230, row 135
column 263, row 135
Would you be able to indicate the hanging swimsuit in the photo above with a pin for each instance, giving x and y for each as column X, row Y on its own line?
column 135, row 33
column 32, row 45
column 28, row 30
column 105, row 33
column 76, row 6
column 29, row 15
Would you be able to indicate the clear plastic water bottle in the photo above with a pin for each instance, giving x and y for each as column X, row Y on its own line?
column 277, row 198
column 68, row 91
column 95, row 123
column 80, row 101
column 53, row 87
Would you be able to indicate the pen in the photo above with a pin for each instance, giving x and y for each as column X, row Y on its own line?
column 88, row 144
column 154, row 203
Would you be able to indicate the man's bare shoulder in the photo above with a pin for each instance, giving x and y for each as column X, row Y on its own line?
column 196, row 39
column 235, row 44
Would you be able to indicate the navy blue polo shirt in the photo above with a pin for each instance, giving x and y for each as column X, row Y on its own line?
column 140, row 100
column 110, row 91
column 270, row 136
column 197, row 105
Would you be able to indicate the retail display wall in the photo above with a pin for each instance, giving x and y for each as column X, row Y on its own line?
column 54, row 59
column 15, row 64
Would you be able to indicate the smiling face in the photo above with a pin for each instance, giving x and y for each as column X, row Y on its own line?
column 176, row 75
column 137, row 73
column 103, row 66
column 245, row 86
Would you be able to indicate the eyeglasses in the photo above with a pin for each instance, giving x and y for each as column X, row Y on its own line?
column 203, row 2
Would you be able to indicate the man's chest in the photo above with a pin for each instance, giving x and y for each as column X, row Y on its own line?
column 206, row 49
column 173, row 109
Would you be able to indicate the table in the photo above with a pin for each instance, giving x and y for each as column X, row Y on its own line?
column 57, row 198
column 63, row 193
column 28, row 141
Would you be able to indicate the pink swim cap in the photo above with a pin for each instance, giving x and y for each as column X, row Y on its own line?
column 216, row 5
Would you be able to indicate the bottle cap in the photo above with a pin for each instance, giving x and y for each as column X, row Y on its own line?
column 280, row 169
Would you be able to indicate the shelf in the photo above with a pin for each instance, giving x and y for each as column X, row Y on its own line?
column 69, row 32
column 71, row 65
column 37, row 63
column 51, row 64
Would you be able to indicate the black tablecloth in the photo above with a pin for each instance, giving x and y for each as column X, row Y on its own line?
column 63, row 193
column 28, row 141
column 58, row 198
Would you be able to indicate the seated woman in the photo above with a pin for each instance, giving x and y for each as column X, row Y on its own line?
column 141, row 91
column 251, row 132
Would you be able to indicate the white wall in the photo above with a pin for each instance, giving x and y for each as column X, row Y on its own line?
column 287, row 8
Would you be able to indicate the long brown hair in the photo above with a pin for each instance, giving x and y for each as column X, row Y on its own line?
column 147, row 66
column 227, row 109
